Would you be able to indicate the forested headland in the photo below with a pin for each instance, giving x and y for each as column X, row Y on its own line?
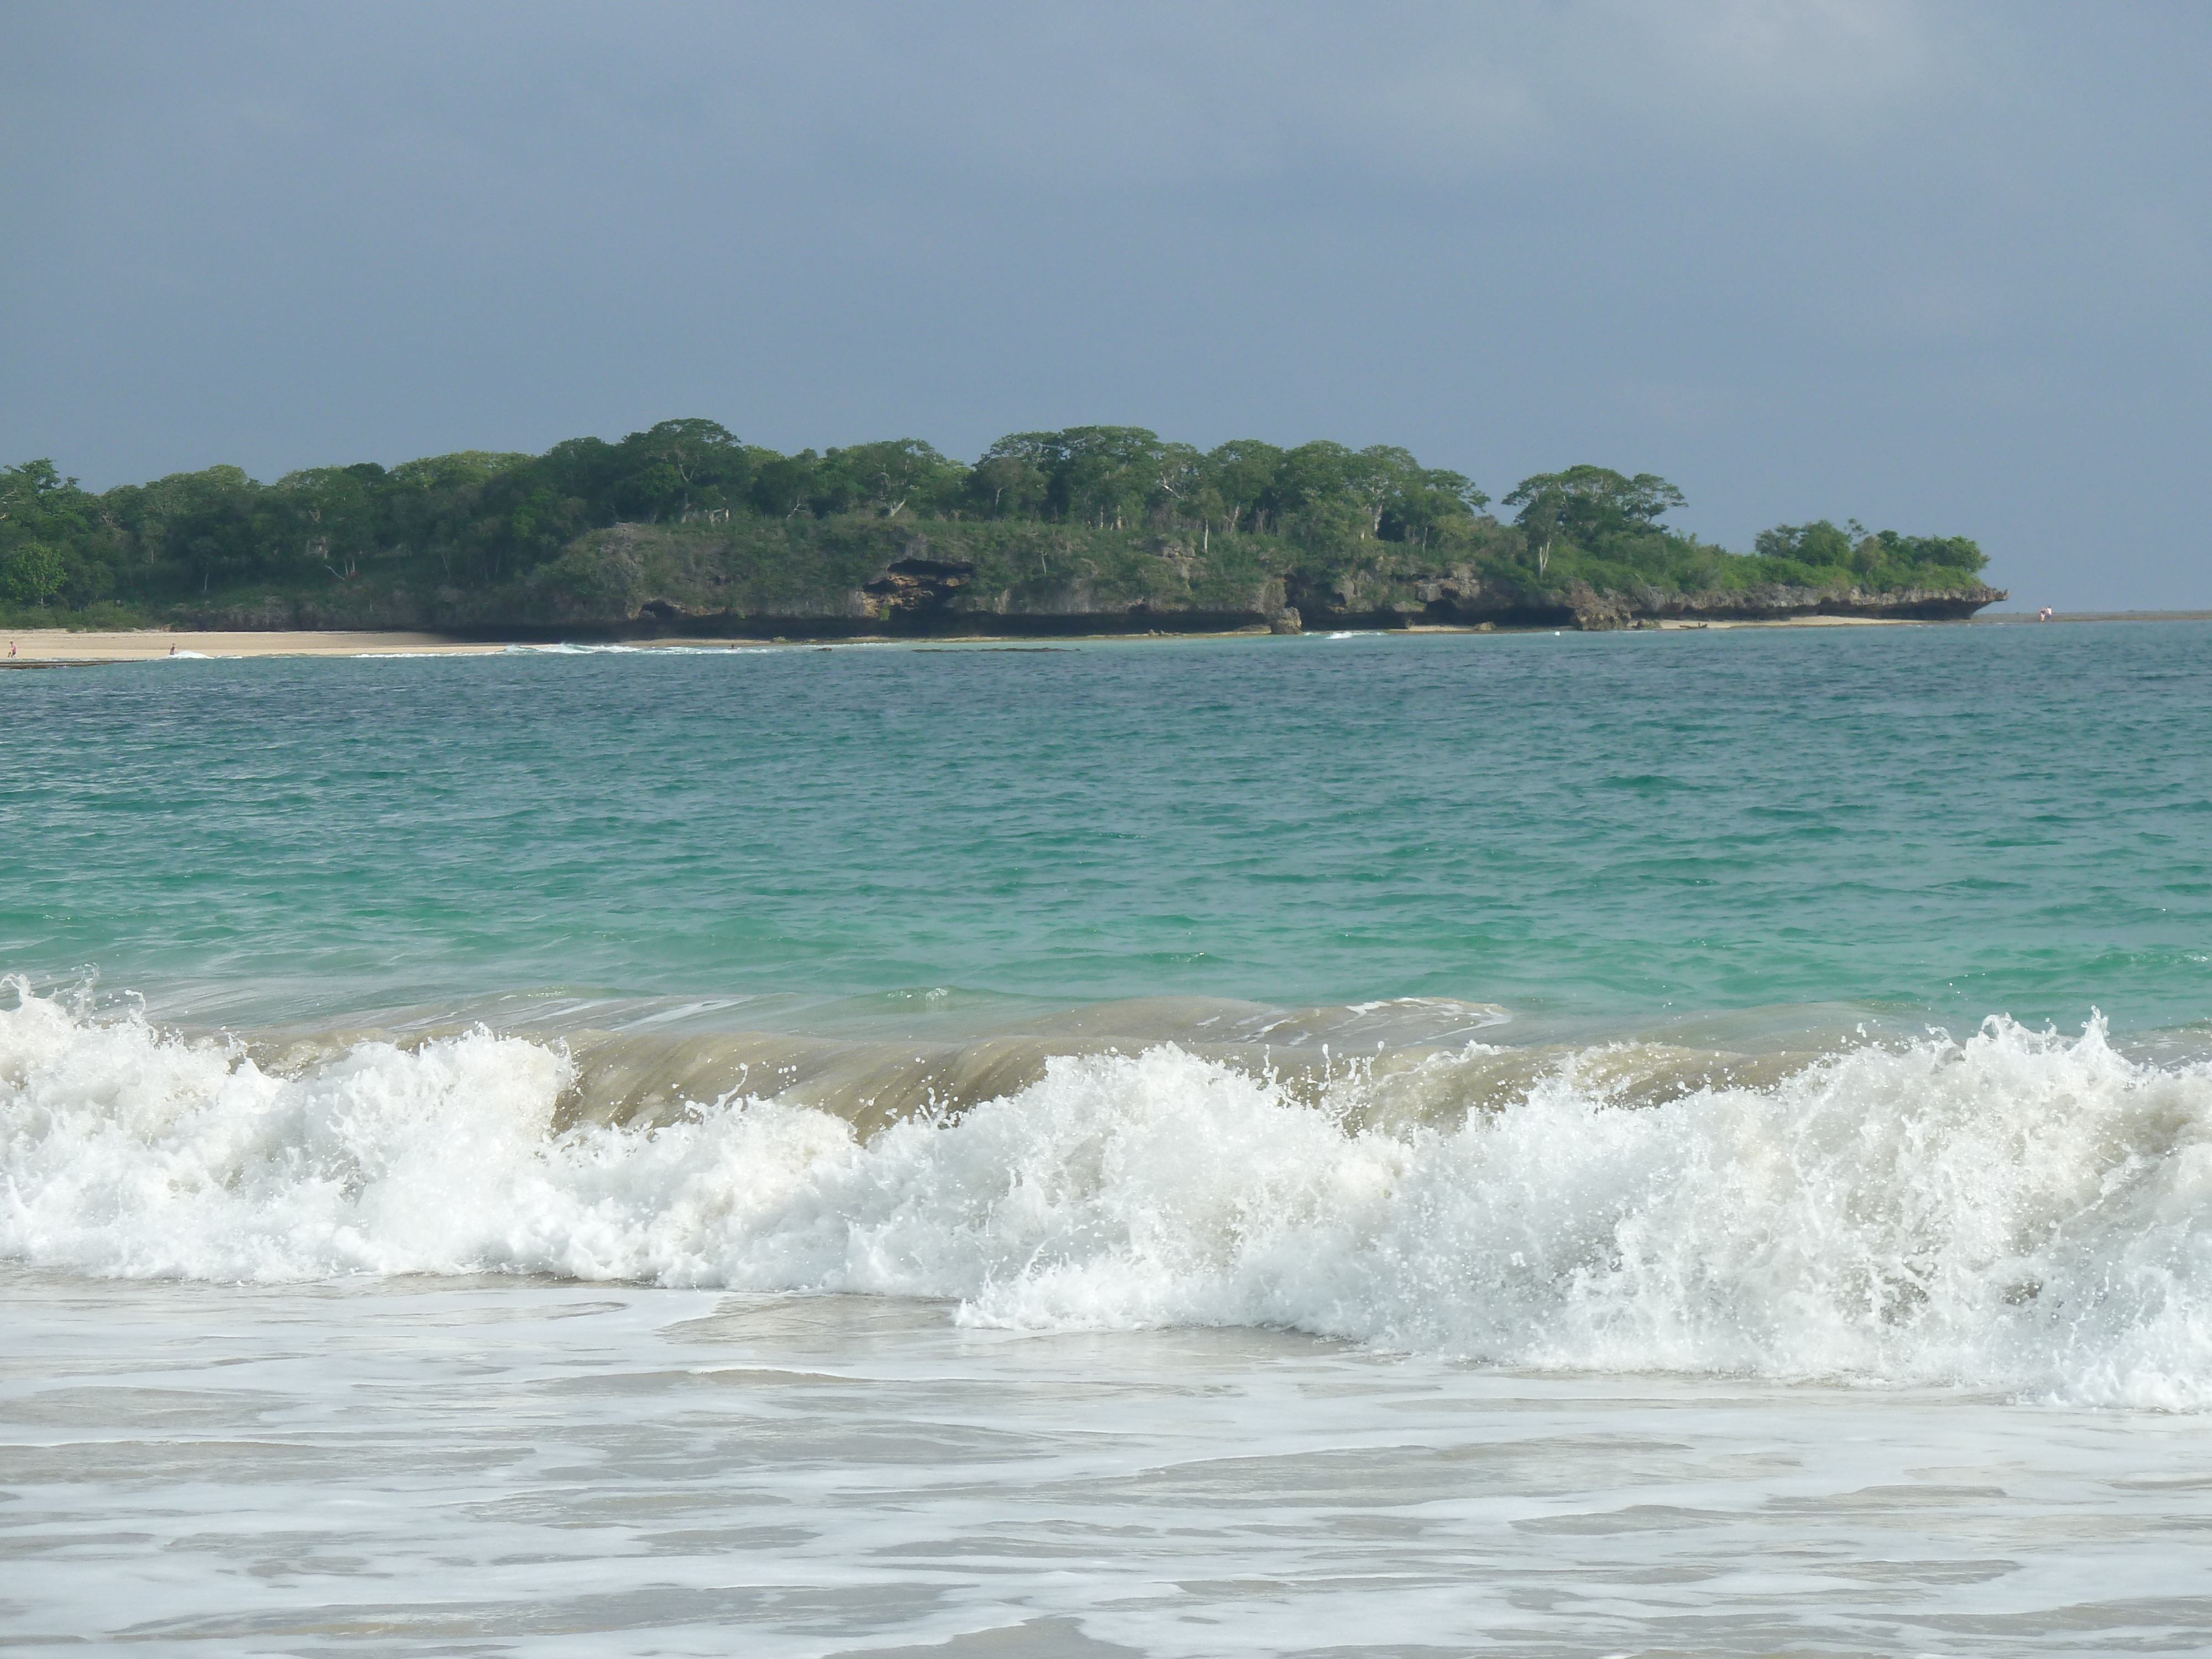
column 684, row 527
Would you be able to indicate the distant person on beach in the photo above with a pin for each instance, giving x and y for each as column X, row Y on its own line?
column 2044, row 615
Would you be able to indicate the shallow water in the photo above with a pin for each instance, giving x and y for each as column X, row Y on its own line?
column 1945, row 822
column 1686, row 1143
column 409, row 1467
column 2021, row 1211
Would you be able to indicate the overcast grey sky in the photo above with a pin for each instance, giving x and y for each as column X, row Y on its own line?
column 1939, row 266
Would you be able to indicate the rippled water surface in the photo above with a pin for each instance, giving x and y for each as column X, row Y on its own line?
column 1659, row 1144
column 1961, row 820
column 411, row 1469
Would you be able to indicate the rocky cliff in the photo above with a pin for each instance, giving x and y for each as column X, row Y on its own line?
column 888, row 578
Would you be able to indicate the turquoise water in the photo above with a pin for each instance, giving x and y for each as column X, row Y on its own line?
column 1368, row 1143
column 1948, row 821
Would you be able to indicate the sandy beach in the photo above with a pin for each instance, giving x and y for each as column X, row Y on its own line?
column 52, row 645
column 46, row 645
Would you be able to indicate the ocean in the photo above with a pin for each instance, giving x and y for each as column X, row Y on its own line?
column 1659, row 1143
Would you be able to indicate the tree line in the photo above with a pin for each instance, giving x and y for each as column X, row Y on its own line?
column 475, row 518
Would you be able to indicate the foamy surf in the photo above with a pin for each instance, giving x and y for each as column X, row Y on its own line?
column 565, row 648
column 2023, row 1210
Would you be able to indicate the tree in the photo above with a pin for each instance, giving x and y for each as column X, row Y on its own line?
column 445, row 502
column 1952, row 556
column 1588, row 506
column 1817, row 545
column 782, row 483
column 1885, row 557
column 1104, row 475
column 1427, row 500
column 1182, row 481
column 210, row 523
column 41, row 509
column 679, row 468
column 31, row 573
column 1309, row 476
column 1377, row 477
column 886, row 478
column 462, row 470
column 328, row 516
column 1342, row 516
column 1011, row 480
column 1241, row 474
column 34, row 495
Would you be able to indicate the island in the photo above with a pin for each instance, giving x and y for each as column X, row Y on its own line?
column 684, row 530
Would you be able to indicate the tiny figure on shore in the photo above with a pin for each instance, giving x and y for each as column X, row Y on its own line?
column 173, row 650
column 11, row 647
column 2044, row 615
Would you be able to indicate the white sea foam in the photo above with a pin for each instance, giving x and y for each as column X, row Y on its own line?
column 565, row 649
column 562, row 648
column 2020, row 1209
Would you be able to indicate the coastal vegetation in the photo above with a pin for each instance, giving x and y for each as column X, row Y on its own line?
column 683, row 521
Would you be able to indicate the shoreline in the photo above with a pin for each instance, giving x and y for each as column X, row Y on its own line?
column 55, row 647
column 2012, row 617
column 58, row 647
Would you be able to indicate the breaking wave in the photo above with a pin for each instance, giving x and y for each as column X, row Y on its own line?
column 2024, row 1210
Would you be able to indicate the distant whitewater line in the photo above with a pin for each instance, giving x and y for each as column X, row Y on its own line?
column 2020, row 1211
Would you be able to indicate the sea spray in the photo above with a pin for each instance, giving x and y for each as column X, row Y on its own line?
column 2021, row 1209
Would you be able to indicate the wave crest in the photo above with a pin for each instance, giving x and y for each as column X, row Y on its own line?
column 2022, row 1209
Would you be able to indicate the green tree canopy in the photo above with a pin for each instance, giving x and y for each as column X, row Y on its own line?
column 900, row 475
column 464, row 468
column 1818, row 552
column 1364, row 527
column 31, row 573
column 677, row 468
column 1241, row 474
column 1588, row 506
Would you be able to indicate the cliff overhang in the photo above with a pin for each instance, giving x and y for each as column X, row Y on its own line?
column 994, row 581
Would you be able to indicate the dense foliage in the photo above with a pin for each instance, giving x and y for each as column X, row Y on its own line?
column 477, row 523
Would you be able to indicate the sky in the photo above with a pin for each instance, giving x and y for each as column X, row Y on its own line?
column 1939, row 267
